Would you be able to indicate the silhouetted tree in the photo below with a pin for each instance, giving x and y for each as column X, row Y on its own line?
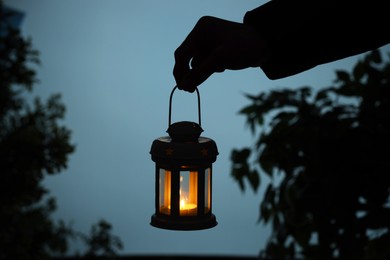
column 327, row 156
column 33, row 144
column 101, row 243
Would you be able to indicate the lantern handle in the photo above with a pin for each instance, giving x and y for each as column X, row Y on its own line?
column 170, row 105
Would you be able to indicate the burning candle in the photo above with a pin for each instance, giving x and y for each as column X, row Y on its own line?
column 186, row 208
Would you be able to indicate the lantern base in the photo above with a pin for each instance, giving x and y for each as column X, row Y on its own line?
column 183, row 223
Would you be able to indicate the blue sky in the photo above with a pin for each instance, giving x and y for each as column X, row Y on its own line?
column 112, row 61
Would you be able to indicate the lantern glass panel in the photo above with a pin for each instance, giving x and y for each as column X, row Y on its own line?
column 165, row 192
column 207, row 190
column 188, row 193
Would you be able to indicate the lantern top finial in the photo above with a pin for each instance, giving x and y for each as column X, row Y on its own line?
column 184, row 131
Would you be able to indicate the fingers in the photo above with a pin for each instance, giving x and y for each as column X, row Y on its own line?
column 196, row 76
column 213, row 46
column 181, row 68
column 194, row 50
column 183, row 56
column 202, row 67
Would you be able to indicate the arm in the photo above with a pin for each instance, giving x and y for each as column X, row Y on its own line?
column 302, row 34
column 282, row 37
column 214, row 45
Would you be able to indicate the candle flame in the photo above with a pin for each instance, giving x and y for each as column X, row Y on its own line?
column 184, row 204
column 183, row 200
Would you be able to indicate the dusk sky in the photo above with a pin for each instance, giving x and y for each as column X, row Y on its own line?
column 112, row 61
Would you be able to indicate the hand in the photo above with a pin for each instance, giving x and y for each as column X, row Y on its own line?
column 213, row 46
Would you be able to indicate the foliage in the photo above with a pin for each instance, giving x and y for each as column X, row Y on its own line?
column 327, row 157
column 100, row 241
column 33, row 144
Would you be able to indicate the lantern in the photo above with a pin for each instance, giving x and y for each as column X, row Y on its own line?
column 183, row 182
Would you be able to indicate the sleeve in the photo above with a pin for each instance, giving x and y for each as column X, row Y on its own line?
column 302, row 34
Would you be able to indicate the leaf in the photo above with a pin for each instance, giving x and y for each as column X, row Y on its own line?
column 342, row 76
column 238, row 174
column 359, row 71
column 254, row 180
column 248, row 110
column 266, row 163
column 374, row 56
column 267, row 205
column 240, row 156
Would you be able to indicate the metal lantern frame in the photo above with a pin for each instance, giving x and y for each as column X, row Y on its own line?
column 183, row 166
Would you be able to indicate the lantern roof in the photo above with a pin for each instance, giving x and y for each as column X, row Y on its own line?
column 170, row 151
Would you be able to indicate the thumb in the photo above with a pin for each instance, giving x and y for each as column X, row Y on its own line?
column 198, row 74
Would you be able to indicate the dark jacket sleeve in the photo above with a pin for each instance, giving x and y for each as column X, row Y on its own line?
column 304, row 33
